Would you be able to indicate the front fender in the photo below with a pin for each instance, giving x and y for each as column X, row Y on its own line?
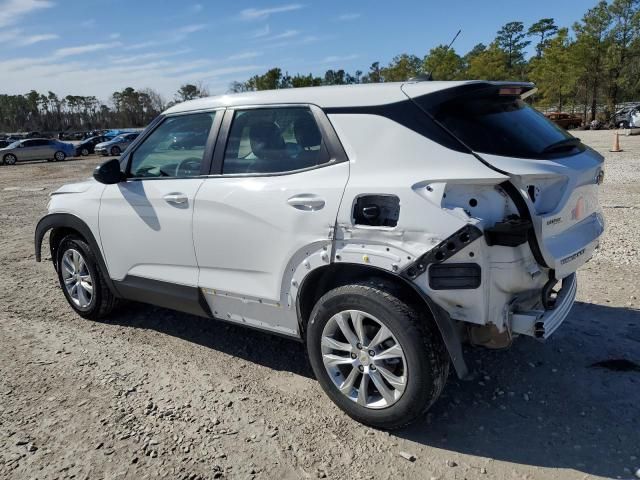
column 75, row 224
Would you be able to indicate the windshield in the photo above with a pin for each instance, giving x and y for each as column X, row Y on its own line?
column 14, row 144
column 119, row 138
column 503, row 125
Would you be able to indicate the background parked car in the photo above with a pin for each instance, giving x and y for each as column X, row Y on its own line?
column 117, row 145
column 564, row 120
column 36, row 149
column 87, row 147
column 627, row 117
column 5, row 143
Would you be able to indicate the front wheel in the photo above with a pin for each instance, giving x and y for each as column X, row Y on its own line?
column 59, row 156
column 115, row 151
column 10, row 159
column 378, row 358
column 81, row 280
column 84, row 152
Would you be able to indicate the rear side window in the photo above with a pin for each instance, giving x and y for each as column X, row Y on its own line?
column 503, row 125
column 273, row 140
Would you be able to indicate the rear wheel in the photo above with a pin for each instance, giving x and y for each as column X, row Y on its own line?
column 10, row 159
column 378, row 358
column 81, row 280
column 115, row 151
column 59, row 156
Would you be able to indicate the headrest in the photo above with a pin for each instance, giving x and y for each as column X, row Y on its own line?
column 306, row 132
column 266, row 140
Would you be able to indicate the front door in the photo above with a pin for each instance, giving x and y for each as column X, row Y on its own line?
column 277, row 193
column 33, row 150
column 146, row 221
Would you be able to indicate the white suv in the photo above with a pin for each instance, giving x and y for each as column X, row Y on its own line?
column 384, row 225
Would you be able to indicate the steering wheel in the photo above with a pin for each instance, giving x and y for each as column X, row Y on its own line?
column 189, row 167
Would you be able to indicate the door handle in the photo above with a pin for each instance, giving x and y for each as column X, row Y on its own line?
column 176, row 198
column 307, row 202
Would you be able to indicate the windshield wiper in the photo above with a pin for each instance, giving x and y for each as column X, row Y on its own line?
column 562, row 144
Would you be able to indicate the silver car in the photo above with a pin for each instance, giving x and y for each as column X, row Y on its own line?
column 116, row 145
column 36, row 149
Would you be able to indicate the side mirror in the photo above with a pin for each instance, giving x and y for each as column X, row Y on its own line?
column 109, row 172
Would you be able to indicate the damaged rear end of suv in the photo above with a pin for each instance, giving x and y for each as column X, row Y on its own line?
column 540, row 223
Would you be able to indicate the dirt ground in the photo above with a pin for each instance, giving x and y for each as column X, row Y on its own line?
column 153, row 393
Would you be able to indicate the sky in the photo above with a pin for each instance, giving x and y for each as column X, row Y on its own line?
column 95, row 47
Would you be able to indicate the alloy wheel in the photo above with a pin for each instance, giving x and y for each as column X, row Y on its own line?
column 59, row 156
column 77, row 279
column 10, row 159
column 364, row 359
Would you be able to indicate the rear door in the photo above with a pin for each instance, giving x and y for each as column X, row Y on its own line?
column 557, row 175
column 274, row 194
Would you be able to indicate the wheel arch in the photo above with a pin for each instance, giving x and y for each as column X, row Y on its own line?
column 61, row 225
column 321, row 280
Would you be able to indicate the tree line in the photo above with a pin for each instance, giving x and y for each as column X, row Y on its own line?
column 588, row 68
column 48, row 112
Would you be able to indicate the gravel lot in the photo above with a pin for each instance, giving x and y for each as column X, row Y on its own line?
column 154, row 393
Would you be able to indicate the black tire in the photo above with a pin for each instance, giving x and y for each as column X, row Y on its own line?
column 103, row 301
column 59, row 156
column 427, row 360
column 84, row 152
column 115, row 151
column 10, row 159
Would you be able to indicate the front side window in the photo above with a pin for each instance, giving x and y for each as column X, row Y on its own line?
column 273, row 140
column 174, row 149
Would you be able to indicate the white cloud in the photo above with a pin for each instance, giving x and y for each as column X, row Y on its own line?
column 299, row 41
column 11, row 11
column 261, row 32
column 287, row 34
column 262, row 13
column 174, row 36
column 345, row 17
column 190, row 29
column 338, row 58
column 244, row 55
column 79, row 78
column 280, row 36
column 114, row 36
column 126, row 59
column 31, row 39
column 17, row 37
column 93, row 47
column 220, row 72
column 9, row 35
